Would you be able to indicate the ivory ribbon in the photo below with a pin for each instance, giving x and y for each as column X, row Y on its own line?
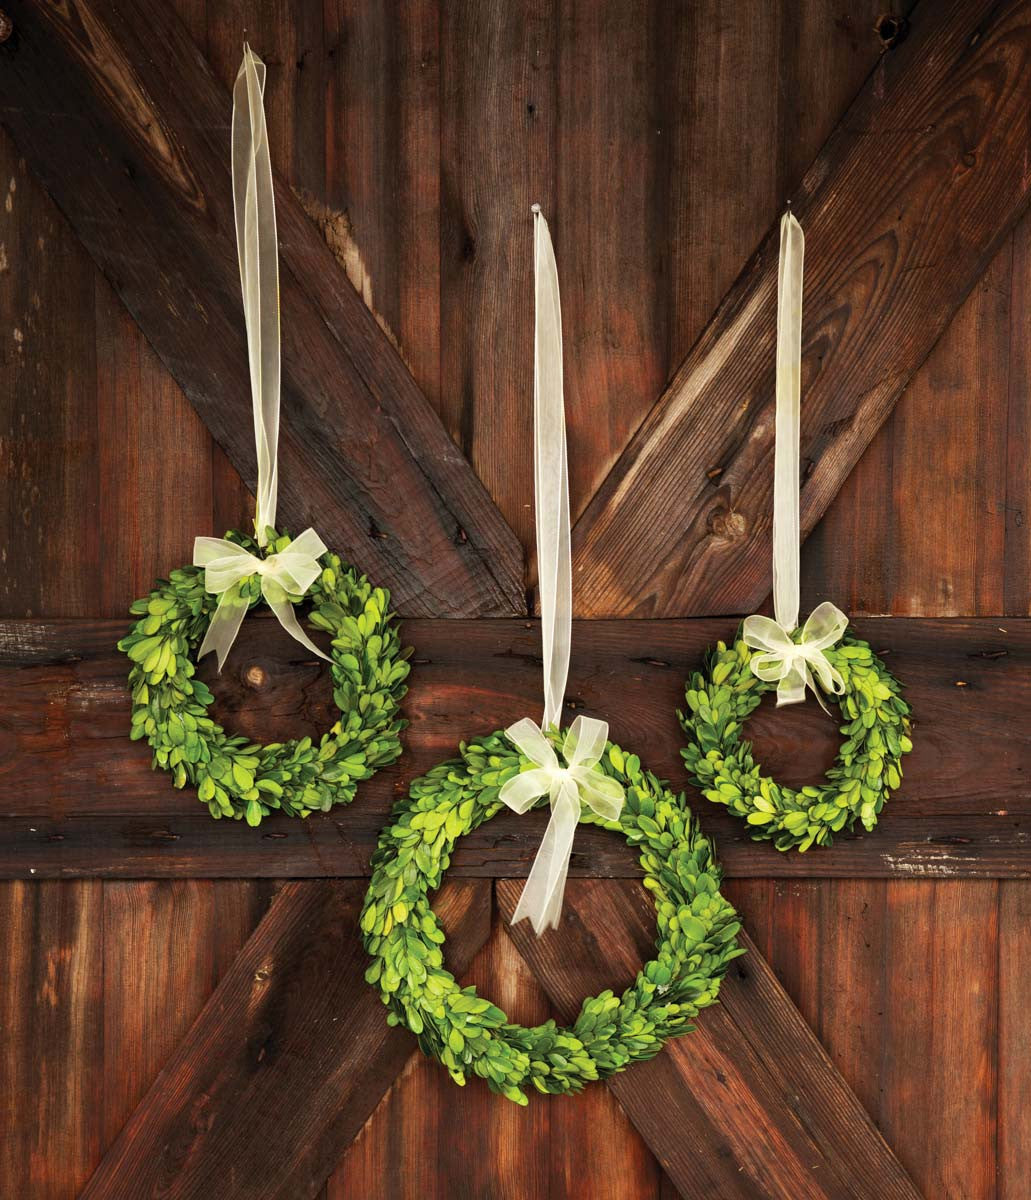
column 793, row 663
column 578, row 782
column 226, row 564
column 254, row 207
column 289, row 573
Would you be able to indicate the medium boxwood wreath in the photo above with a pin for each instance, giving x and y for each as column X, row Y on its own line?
column 234, row 776
column 868, row 767
column 467, row 1033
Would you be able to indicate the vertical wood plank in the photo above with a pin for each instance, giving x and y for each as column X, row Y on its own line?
column 49, row 526
column 1017, row 505
column 154, row 461
column 51, row 1051
column 166, row 946
column 1014, row 1148
column 612, row 241
column 498, row 122
column 939, row 1033
column 380, row 207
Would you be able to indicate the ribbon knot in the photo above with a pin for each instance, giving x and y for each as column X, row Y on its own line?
column 291, row 572
column 569, row 786
column 793, row 664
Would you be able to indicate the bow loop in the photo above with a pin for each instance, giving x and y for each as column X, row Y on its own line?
column 288, row 573
column 793, row 664
column 569, row 787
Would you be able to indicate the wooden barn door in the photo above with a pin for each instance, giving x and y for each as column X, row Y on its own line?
column 182, row 1009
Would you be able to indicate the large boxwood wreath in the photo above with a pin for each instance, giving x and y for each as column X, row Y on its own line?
column 869, row 763
column 469, row 1035
column 234, row 776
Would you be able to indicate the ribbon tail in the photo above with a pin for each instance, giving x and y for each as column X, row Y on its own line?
column 817, row 692
column 224, row 625
column 791, row 689
column 551, row 475
column 286, row 616
column 541, row 898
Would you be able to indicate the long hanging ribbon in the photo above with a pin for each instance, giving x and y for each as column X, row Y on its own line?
column 226, row 564
column 574, row 781
column 792, row 663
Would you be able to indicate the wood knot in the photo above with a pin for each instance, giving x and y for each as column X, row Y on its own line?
column 728, row 524
column 6, row 26
column 891, row 30
column 255, row 676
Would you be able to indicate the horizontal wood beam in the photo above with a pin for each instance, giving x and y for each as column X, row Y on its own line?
column 903, row 210
column 79, row 799
column 285, row 1062
column 121, row 118
column 748, row 1104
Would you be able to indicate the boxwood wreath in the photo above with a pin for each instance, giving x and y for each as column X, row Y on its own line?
column 234, row 776
column 697, row 928
column 868, row 767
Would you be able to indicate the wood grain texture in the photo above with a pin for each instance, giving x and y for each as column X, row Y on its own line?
column 136, row 167
column 954, row 449
column 411, row 1147
column 682, row 523
column 940, row 1017
column 497, row 99
column 154, row 457
column 896, row 979
column 49, row 490
column 166, row 945
column 82, row 800
column 749, row 94
column 285, row 1062
column 52, row 1049
column 1014, row 1059
column 748, row 1104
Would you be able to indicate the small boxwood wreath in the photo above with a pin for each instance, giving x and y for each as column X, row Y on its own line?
column 234, row 776
column 868, row 767
column 469, row 1035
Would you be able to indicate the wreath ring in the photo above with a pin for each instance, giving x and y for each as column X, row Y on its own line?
column 468, row 1034
column 234, row 776
column 867, row 769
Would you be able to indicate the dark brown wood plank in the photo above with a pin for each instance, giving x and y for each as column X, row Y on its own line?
column 151, row 446
column 889, row 260
column 380, row 203
column 52, row 1049
column 285, row 1062
column 751, row 92
column 49, row 493
column 133, row 146
column 498, row 92
column 749, row 1105
column 173, row 846
column 80, row 799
